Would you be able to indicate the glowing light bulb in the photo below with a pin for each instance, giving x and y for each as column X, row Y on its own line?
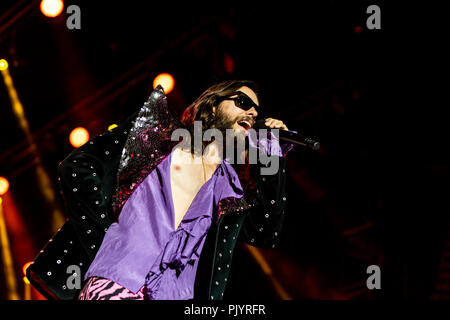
column 4, row 186
column 3, row 64
column 78, row 137
column 166, row 81
column 52, row 8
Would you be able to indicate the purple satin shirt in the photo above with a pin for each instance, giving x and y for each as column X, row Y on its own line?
column 143, row 248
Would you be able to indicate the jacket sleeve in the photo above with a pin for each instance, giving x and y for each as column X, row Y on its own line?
column 263, row 223
column 87, row 178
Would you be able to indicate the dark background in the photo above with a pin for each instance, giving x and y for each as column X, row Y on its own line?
column 373, row 194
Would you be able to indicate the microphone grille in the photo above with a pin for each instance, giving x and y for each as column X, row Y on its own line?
column 260, row 124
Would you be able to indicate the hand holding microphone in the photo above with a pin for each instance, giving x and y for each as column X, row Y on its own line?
column 285, row 134
column 274, row 124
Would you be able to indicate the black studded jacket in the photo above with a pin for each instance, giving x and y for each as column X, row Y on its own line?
column 98, row 177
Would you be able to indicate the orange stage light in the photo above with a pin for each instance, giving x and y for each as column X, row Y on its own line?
column 78, row 137
column 3, row 64
column 52, row 8
column 4, row 186
column 166, row 81
column 25, row 267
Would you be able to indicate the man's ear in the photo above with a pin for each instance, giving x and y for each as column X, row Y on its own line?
column 214, row 112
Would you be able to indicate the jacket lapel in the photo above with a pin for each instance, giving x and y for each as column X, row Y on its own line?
column 148, row 143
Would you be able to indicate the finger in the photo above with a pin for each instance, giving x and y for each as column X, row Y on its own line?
column 278, row 124
column 273, row 123
column 282, row 126
column 268, row 122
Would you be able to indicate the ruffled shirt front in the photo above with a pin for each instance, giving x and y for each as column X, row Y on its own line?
column 143, row 248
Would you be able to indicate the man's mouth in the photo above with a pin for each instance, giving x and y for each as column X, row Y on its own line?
column 246, row 124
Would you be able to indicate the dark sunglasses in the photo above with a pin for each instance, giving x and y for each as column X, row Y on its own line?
column 242, row 101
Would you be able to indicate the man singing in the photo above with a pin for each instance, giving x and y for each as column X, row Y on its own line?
column 159, row 219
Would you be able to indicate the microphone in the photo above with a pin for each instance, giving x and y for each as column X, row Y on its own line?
column 290, row 136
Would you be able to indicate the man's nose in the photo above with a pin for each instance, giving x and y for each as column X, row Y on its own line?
column 252, row 112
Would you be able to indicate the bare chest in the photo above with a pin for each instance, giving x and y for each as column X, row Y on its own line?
column 186, row 180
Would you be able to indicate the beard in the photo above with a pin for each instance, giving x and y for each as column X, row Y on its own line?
column 234, row 139
column 240, row 156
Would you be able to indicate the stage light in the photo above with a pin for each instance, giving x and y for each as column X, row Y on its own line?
column 3, row 64
column 52, row 8
column 44, row 181
column 4, row 186
column 25, row 267
column 27, row 288
column 229, row 63
column 112, row 127
column 7, row 259
column 78, row 137
column 166, row 81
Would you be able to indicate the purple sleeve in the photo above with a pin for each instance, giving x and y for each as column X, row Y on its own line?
column 269, row 142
